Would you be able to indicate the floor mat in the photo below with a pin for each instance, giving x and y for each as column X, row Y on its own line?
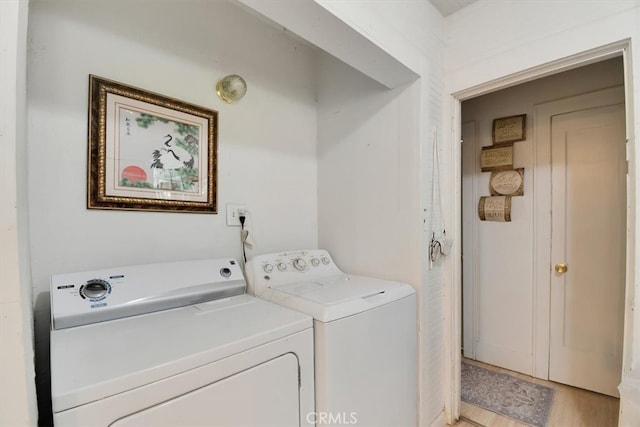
column 507, row 395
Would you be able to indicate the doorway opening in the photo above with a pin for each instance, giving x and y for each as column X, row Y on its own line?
column 579, row 66
column 506, row 276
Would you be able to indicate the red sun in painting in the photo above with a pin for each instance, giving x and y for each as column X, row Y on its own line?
column 134, row 174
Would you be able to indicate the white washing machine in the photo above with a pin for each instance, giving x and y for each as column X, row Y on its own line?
column 176, row 344
column 366, row 348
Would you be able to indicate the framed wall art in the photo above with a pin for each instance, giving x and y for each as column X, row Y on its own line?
column 507, row 182
column 149, row 152
column 509, row 129
column 496, row 158
column 495, row 208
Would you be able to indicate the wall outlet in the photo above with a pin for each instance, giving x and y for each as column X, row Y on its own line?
column 233, row 214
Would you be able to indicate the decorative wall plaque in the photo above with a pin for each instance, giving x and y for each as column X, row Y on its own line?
column 509, row 129
column 507, row 183
column 495, row 208
column 496, row 158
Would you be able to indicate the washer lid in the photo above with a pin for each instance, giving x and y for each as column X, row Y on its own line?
column 335, row 297
column 98, row 360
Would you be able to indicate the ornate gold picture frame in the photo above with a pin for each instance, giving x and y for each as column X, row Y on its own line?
column 149, row 152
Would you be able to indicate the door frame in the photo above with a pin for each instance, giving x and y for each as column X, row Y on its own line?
column 452, row 267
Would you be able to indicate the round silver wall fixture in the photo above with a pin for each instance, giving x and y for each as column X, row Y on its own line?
column 231, row 88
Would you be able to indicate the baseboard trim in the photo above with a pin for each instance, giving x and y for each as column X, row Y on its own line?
column 440, row 421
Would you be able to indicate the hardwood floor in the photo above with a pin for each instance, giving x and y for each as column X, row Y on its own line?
column 572, row 407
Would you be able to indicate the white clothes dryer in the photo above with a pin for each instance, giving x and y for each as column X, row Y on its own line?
column 176, row 344
column 366, row 351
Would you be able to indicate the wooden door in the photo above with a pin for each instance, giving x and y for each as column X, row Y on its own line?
column 588, row 170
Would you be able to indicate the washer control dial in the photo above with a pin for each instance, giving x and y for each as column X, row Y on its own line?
column 299, row 264
column 95, row 288
column 325, row 260
column 282, row 266
column 268, row 268
column 225, row 272
column 315, row 262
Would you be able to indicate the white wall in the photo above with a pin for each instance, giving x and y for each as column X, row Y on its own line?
column 266, row 142
column 17, row 385
column 374, row 167
column 316, row 21
column 491, row 43
column 504, row 256
column 368, row 178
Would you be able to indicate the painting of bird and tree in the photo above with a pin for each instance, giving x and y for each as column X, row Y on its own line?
column 149, row 152
column 158, row 153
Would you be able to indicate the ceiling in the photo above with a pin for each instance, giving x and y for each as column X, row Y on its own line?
column 447, row 7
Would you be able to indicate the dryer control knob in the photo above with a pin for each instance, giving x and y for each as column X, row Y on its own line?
column 282, row 266
column 95, row 288
column 299, row 264
column 325, row 260
column 315, row 262
column 268, row 268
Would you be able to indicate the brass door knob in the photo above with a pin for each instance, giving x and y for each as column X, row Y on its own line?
column 561, row 268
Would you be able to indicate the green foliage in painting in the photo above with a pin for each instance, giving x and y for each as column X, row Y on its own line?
column 189, row 142
column 183, row 178
column 147, row 119
column 137, row 184
column 188, row 177
column 185, row 129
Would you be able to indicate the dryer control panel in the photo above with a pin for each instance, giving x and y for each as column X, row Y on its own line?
column 95, row 296
column 283, row 268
